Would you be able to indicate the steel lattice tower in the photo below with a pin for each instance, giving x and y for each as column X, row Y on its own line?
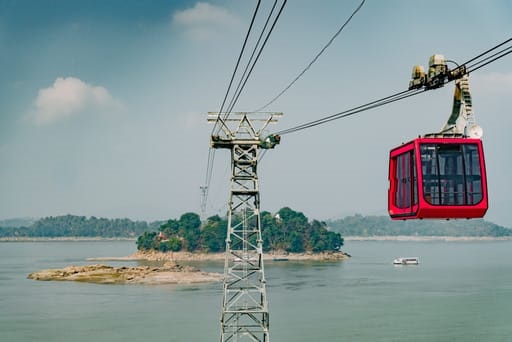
column 245, row 315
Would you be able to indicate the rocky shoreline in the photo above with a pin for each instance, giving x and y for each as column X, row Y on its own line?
column 169, row 273
column 189, row 256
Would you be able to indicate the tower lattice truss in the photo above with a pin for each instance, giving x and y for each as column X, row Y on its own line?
column 245, row 314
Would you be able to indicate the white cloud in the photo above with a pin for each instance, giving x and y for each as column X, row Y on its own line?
column 69, row 96
column 205, row 21
column 492, row 82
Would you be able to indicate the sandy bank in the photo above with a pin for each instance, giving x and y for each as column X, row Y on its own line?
column 170, row 273
column 188, row 256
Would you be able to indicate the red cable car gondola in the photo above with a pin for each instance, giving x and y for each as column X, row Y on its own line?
column 437, row 178
column 441, row 175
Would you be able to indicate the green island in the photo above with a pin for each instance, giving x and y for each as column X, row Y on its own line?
column 288, row 231
column 286, row 235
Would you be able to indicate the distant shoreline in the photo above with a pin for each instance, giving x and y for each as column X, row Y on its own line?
column 63, row 238
column 410, row 238
column 346, row 238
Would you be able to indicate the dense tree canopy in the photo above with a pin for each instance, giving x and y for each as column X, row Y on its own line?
column 175, row 235
column 288, row 230
column 213, row 235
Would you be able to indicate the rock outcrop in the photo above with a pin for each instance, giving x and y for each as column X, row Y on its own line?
column 170, row 273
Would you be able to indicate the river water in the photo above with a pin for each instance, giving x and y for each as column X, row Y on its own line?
column 461, row 291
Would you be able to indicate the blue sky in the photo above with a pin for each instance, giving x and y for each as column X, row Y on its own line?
column 103, row 103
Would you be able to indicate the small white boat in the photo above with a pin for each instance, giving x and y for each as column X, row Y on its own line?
column 406, row 261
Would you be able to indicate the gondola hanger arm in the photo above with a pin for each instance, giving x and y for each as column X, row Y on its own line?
column 461, row 121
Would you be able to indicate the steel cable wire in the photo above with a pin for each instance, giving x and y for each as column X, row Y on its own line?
column 216, row 128
column 257, row 57
column 487, row 51
column 239, row 58
column 404, row 94
column 349, row 112
column 314, row 59
column 500, row 54
column 231, row 103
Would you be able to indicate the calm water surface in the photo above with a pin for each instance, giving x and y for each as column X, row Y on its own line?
column 461, row 291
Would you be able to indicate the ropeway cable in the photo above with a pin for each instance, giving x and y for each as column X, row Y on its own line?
column 490, row 59
column 211, row 153
column 231, row 104
column 370, row 105
column 237, row 95
column 239, row 58
column 486, row 52
column 404, row 94
column 314, row 59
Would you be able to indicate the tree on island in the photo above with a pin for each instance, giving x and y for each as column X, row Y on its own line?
column 288, row 230
column 291, row 231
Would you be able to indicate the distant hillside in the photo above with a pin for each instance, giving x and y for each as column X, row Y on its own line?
column 79, row 226
column 359, row 225
column 17, row 222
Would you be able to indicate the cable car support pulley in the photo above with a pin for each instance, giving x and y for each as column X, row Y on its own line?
column 441, row 175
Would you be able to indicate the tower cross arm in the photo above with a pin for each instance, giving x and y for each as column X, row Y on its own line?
column 243, row 128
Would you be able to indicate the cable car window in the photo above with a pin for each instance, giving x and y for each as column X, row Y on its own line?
column 406, row 195
column 473, row 174
column 451, row 174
